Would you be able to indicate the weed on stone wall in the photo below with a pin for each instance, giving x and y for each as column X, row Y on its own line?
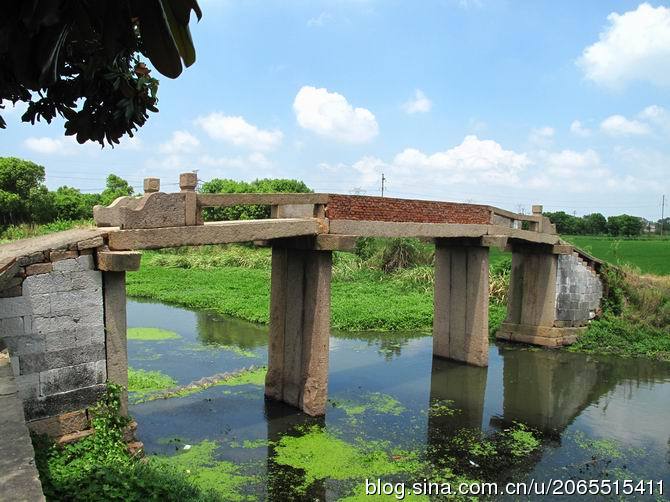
column 99, row 467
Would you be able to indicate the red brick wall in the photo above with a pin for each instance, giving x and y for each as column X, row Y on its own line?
column 358, row 207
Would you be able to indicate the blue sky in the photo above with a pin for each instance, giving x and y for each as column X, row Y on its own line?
column 489, row 101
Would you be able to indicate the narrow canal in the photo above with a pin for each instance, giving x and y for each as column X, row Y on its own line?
column 395, row 413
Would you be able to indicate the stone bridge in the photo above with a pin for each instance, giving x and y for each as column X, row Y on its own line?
column 62, row 296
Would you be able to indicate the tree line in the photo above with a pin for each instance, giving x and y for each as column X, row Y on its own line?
column 598, row 224
column 24, row 197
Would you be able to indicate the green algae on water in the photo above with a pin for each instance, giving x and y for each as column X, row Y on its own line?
column 143, row 382
column 151, row 334
column 199, row 466
column 374, row 401
column 343, row 460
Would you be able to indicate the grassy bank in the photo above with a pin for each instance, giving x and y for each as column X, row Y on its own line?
column 650, row 255
column 23, row 231
column 236, row 281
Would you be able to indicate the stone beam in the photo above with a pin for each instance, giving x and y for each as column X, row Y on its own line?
column 299, row 328
column 460, row 324
column 213, row 233
column 118, row 261
column 321, row 242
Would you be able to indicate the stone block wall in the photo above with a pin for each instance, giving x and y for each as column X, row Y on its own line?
column 353, row 207
column 52, row 322
column 579, row 291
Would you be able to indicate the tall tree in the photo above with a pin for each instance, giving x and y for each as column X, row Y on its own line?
column 81, row 60
column 19, row 180
column 114, row 188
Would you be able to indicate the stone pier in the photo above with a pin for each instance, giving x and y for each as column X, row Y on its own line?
column 554, row 291
column 299, row 328
column 460, row 323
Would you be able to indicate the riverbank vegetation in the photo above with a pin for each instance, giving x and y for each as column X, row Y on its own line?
column 387, row 284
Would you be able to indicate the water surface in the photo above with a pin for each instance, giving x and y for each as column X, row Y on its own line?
column 598, row 416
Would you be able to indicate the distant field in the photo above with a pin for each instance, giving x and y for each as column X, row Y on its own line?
column 651, row 256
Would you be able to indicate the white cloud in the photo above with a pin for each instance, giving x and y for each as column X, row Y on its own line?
column 542, row 136
column 618, row 125
column 239, row 132
column 577, row 128
column 418, row 104
column 320, row 20
column 635, row 46
column 49, row 146
column 657, row 116
column 574, row 165
column 473, row 161
column 180, row 142
column 256, row 159
column 329, row 114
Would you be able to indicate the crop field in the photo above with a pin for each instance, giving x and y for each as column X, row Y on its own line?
column 650, row 255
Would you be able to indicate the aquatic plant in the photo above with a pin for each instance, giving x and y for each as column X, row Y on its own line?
column 151, row 334
column 143, row 382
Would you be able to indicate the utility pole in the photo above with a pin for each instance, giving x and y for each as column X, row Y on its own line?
column 383, row 180
column 662, row 213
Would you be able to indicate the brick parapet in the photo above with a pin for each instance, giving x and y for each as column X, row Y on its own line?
column 357, row 207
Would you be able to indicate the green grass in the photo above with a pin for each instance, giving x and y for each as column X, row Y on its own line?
column 15, row 232
column 151, row 334
column 362, row 298
column 650, row 255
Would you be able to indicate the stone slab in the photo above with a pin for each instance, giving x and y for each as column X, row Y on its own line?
column 56, row 404
column 118, row 261
column 36, row 245
column 18, row 474
column 212, row 233
column 546, row 336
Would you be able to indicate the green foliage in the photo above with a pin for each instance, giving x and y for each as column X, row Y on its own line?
column 247, row 212
column 80, row 60
column 596, row 224
column 624, row 224
column 70, row 204
column 636, row 320
column 114, row 188
column 99, row 466
column 20, row 181
column 566, row 223
column 403, row 253
column 25, row 199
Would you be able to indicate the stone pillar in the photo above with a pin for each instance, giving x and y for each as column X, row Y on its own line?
column 299, row 328
column 553, row 294
column 460, row 324
column 116, row 343
column 113, row 265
